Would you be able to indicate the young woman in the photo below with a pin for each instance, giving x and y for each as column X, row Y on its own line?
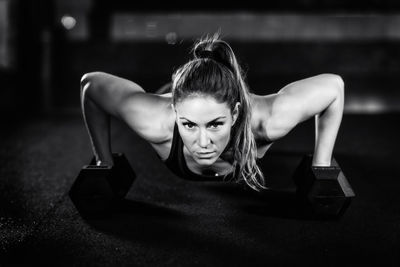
column 210, row 126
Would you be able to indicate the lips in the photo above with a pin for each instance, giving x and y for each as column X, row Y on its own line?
column 205, row 154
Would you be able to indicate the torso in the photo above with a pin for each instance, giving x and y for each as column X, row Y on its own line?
column 222, row 165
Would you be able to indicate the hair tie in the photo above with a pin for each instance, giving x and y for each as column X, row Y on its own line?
column 211, row 55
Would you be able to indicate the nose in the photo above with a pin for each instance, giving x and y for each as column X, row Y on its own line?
column 203, row 139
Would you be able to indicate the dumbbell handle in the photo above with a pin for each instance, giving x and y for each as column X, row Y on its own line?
column 104, row 162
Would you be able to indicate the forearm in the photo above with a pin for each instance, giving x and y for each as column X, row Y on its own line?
column 327, row 124
column 97, row 123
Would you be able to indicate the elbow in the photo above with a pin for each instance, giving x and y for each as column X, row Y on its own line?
column 88, row 80
column 340, row 83
column 336, row 85
column 338, row 93
column 340, row 87
column 85, row 84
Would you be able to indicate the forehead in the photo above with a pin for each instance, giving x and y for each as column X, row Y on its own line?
column 201, row 108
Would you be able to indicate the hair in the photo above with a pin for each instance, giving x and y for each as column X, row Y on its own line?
column 214, row 71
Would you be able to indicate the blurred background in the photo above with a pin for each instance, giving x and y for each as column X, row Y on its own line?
column 47, row 45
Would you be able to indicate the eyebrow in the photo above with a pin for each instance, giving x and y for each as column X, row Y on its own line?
column 221, row 117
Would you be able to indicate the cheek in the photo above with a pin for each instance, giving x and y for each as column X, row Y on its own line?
column 187, row 137
column 222, row 137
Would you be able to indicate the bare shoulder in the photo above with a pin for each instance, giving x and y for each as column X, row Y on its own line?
column 260, row 121
column 262, row 110
column 268, row 121
column 275, row 115
column 149, row 115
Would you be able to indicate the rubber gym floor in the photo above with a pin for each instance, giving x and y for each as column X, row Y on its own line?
column 168, row 221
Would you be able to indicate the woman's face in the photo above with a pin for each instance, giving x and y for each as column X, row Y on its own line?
column 205, row 126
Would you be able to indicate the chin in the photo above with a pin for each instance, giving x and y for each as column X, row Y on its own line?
column 205, row 162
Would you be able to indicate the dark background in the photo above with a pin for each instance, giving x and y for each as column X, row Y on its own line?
column 43, row 60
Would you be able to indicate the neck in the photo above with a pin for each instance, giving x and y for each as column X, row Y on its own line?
column 218, row 168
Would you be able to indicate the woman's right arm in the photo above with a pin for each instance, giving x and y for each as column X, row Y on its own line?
column 104, row 95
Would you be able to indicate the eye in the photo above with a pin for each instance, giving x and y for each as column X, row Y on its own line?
column 188, row 125
column 215, row 125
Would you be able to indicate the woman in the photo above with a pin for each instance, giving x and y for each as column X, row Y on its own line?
column 210, row 126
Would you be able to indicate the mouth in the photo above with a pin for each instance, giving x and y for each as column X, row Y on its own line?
column 205, row 155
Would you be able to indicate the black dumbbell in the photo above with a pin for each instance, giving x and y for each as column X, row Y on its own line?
column 325, row 189
column 97, row 189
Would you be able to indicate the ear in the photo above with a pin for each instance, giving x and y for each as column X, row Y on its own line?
column 235, row 113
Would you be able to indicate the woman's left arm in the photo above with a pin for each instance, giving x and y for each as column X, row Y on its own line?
column 321, row 96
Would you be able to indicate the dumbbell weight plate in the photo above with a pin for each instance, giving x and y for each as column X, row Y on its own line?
column 326, row 189
column 97, row 189
column 91, row 192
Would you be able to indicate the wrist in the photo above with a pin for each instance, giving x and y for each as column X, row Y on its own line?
column 321, row 163
column 104, row 162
